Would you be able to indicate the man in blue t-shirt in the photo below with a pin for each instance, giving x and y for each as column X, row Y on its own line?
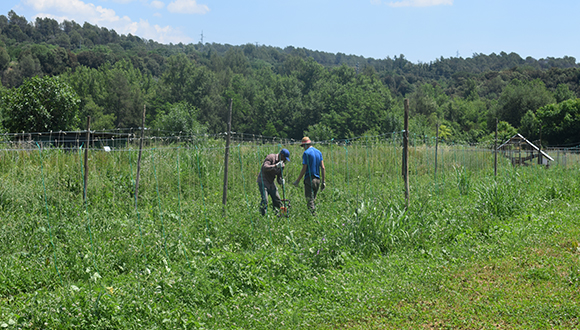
column 313, row 172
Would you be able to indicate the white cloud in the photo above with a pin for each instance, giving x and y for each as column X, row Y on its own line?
column 420, row 3
column 81, row 12
column 123, row 1
column 187, row 7
column 157, row 4
column 376, row 2
column 162, row 34
column 77, row 10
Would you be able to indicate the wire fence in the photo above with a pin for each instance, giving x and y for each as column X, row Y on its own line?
column 178, row 211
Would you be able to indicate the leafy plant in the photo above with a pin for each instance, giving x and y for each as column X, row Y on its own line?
column 41, row 105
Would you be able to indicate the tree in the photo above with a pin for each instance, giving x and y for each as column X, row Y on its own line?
column 76, row 39
column 29, row 66
column 183, row 80
column 560, row 122
column 12, row 76
column 114, row 93
column 521, row 96
column 427, row 99
column 529, row 126
column 505, row 131
column 319, row 132
column 237, row 61
column 467, row 118
column 563, row 93
column 4, row 59
column 40, row 105
column 181, row 117
column 444, row 132
column 354, row 104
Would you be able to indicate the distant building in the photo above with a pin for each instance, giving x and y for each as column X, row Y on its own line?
column 523, row 152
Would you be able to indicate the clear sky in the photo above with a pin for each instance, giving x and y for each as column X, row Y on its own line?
column 422, row 30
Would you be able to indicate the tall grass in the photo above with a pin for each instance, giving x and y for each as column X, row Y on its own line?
column 182, row 259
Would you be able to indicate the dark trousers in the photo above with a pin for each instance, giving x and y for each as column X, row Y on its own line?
column 311, row 186
column 269, row 189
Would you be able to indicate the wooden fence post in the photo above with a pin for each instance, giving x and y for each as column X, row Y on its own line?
column 86, row 178
column 139, row 158
column 495, row 151
column 540, row 160
column 406, row 153
column 226, row 159
column 436, row 146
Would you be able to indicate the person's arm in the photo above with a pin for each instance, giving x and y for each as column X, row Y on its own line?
column 269, row 165
column 302, row 172
column 278, row 174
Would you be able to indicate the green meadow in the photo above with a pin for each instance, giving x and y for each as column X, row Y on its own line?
column 472, row 251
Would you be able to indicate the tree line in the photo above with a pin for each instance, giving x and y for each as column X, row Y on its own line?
column 73, row 71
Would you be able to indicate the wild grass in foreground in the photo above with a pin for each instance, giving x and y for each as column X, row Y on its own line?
column 472, row 251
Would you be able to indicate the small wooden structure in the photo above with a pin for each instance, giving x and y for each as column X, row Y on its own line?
column 522, row 152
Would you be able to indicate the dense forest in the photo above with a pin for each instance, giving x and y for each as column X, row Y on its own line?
column 56, row 74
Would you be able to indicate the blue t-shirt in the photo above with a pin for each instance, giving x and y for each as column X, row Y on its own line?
column 312, row 157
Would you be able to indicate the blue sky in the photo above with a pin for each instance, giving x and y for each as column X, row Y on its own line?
column 422, row 30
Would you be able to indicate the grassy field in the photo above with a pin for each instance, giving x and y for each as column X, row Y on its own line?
column 473, row 251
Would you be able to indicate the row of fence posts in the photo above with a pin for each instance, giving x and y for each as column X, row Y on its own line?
column 405, row 155
column 86, row 165
column 226, row 158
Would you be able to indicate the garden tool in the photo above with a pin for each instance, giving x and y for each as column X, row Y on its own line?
column 285, row 202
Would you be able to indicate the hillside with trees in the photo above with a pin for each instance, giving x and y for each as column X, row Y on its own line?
column 93, row 71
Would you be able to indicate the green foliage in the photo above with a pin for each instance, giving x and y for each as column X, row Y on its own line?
column 427, row 99
column 498, row 199
column 114, row 95
column 40, row 105
column 4, row 59
column 505, row 131
column 365, row 261
column 184, row 80
column 444, row 132
column 530, row 126
column 99, row 119
column 519, row 97
column 355, row 104
column 463, row 179
column 560, row 122
column 467, row 118
column 319, row 132
column 563, row 93
column 181, row 117
column 282, row 92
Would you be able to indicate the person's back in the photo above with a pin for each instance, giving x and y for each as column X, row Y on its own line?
column 312, row 158
column 313, row 172
column 270, row 170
